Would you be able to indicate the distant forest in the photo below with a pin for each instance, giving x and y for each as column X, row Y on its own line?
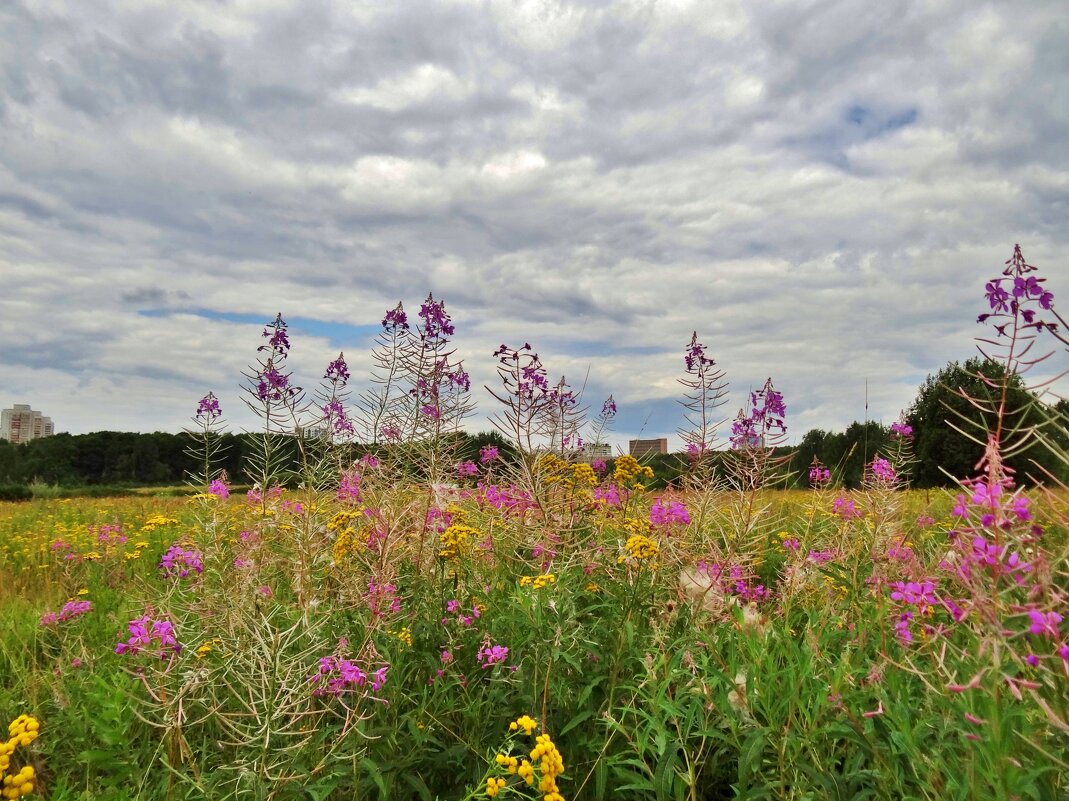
column 118, row 459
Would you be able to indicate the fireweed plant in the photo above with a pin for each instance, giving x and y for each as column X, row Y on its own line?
column 385, row 616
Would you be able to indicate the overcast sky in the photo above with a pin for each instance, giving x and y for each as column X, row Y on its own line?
column 819, row 189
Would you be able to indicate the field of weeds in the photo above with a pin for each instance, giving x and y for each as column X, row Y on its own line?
column 692, row 645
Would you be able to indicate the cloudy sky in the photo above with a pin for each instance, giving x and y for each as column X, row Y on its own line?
column 820, row 189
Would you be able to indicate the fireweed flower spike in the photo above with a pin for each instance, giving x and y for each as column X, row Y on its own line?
column 208, row 408
column 337, row 371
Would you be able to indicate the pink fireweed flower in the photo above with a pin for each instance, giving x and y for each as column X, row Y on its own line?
column 881, row 471
column 488, row 454
column 819, row 475
column 846, row 509
column 1020, row 508
column 672, row 514
column 208, row 408
column 219, row 489
column 337, row 419
column 920, row 594
column 820, row 557
column 73, row 609
column 465, row 469
column 791, row 544
column 382, row 598
column 348, row 487
column 146, row 635
column 179, row 562
column 337, row 676
column 608, row 495
column 598, row 466
column 1044, row 624
column 490, row 655
column 901, row 430
column 337, row 371
column 961, row 508
column 902, row 631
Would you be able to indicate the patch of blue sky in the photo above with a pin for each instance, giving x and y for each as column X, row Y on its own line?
column 575, row 347
column 873, row 123
column 857, row 123
column 341, row 335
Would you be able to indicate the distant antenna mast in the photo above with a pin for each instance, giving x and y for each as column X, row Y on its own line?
column 865, row 436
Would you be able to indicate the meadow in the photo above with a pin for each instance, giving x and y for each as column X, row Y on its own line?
column 398, row 623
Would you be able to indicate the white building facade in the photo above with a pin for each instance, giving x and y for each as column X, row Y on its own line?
column 21, row 424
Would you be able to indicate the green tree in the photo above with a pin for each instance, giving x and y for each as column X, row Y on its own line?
column 941, row 407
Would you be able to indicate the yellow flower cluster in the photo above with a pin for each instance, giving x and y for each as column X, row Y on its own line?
column 636, row 525
column 544, row 756
column 453, row 538
column 157, row 521
column 23, row 730
column 641, row 548
column 525, row 722
column 583, row 474
column 404, row 635
column 628, row 470
column 538, row 582
column 207, row 647
column 345, row 540
column 551, row 765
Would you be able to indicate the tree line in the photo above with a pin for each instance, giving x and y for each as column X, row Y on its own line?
column 117, row 458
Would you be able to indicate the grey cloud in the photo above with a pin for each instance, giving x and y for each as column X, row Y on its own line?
column 820, row 189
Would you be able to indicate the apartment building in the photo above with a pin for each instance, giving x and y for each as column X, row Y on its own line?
column 647, row 447
column 20, row 424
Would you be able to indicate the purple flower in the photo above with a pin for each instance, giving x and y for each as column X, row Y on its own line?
column 902, row 631
column 1044, row 624
column 846, row 509
column 278, row 341
column 179, row 562
column 490, row 655
column 487, row 454
column 901, row 430
column 882, row 471
column 348, row 486
column 608, row 409
column 674, row 513
column 1020, row 508
column 396, row 319
column 219, row 489
column 273, row 385
column 338, row 370
column 146, row 633
column 335, row 417
column 465, row 469
column 694, row 357
column 819, row 475
column 208, row 408
column 460, row 380
column 436, row 322
column 920, row 594
column 428, row 410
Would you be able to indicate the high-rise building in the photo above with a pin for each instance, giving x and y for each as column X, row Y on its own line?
column 597, row 450
column 647, row 447
column 20, row 424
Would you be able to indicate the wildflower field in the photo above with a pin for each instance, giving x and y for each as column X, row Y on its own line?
column 391, row 622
